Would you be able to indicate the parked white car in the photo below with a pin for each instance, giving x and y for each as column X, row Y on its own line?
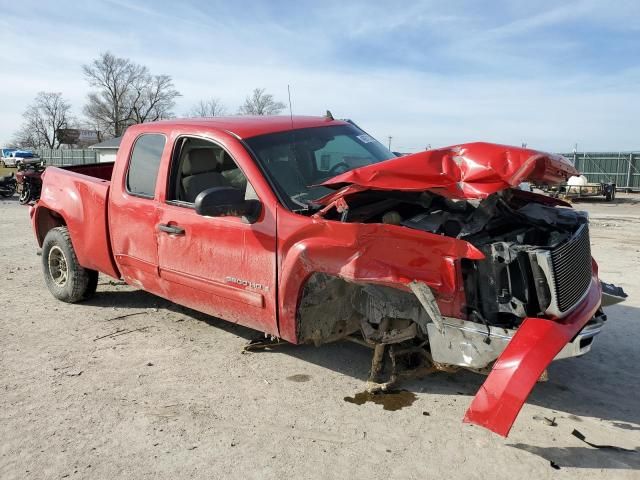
column 11, row 158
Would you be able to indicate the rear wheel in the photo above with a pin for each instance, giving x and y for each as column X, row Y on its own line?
column 66, row 279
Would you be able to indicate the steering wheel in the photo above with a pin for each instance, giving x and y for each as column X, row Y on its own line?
column 333, row 170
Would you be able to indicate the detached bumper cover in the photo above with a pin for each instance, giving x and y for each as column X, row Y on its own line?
column 515, row 373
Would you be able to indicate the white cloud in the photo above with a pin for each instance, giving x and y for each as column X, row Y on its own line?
column 453, row 74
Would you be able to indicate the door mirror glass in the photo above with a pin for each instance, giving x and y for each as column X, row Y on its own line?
column 227, row 202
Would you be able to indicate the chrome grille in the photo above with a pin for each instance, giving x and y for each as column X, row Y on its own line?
column 571, row 263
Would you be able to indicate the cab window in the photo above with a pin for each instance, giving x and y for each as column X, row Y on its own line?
column 198, row 165
column 144, row 164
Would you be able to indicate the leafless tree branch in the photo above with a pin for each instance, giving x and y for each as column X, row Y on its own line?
column 48, row 113
column 208, row 108
column 260, row 103
column 126, row 94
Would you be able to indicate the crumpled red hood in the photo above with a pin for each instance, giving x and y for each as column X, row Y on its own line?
column 470, row 170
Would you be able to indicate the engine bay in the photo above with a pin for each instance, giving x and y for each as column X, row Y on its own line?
column 511, row 228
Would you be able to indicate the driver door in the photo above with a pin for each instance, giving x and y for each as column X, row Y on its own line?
column 219, row 265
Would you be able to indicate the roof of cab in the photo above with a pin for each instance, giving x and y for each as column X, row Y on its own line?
column 248, row 126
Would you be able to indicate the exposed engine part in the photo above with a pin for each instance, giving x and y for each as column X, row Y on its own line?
column 428, row 302
column 439, row 221
column 517, row 231
column 518, row 238
column 406, row 363
column 376, row 303
column 389, row 331
column 392, row 217
column 377, row 363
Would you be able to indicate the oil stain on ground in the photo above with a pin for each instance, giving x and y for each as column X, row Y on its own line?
column 299, row 377
column 390, row 400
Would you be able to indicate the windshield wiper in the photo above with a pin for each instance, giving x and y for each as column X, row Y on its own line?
column 306, row 206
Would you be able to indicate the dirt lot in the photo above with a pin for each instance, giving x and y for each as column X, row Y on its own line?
column 129, row 385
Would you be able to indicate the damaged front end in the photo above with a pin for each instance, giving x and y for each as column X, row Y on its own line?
column 533, row 298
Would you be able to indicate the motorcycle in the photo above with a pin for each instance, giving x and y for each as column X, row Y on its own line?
column 8, row 186
column 29, row 179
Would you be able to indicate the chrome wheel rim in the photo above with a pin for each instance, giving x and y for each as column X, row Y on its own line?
column 58, row 268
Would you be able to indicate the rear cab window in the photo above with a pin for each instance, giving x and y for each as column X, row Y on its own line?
column 144, row 164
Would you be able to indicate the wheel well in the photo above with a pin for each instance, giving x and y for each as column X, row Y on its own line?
column 332, row 308
column 325, row 312
column 47, row 219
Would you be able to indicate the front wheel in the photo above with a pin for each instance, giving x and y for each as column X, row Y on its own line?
column 25, row 194
column 66, row 279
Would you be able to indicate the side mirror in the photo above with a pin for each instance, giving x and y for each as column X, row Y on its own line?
column 227, row 202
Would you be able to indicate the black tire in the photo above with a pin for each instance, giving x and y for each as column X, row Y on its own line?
column 25, row 194
column 66, row 279
column 92, row 286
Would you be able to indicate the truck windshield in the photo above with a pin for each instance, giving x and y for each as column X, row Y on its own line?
column 298, row 161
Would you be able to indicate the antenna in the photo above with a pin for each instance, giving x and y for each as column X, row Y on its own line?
column 290, row 107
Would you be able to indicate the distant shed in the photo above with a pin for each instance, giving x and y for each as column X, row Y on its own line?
column 106, row 151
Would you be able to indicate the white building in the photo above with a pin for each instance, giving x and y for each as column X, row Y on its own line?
column 106, row 151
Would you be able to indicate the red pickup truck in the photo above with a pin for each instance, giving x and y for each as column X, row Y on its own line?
column 309, row 230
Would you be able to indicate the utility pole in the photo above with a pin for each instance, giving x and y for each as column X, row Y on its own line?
column 390, row 137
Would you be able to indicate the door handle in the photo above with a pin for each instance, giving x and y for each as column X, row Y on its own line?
column 171, row 229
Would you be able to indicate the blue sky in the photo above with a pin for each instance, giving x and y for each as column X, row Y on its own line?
column 436, row 72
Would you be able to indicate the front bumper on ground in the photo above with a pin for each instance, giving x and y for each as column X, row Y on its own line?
column 535, row 344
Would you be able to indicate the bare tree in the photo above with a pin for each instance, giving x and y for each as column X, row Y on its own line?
column 23, row 138
column 126, row 94
column 260, row 103
column 152, row 99
column 48, row 113
column 208, row 108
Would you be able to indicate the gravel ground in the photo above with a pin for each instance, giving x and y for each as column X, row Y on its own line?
column 129, row 385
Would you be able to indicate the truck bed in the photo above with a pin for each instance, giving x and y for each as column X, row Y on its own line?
column 79, row 195
column 96, row 170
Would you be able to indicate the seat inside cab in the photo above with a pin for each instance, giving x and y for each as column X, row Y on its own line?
column 201, row 165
